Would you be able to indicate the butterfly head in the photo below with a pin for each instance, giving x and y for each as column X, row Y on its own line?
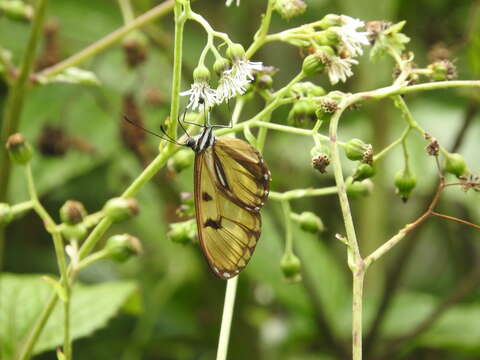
column 201, row 142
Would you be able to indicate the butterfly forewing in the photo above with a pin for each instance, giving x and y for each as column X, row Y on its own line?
column 231, row 185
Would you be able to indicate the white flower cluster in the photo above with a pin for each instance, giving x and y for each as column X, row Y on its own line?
column 351, row 41
column 232, row 82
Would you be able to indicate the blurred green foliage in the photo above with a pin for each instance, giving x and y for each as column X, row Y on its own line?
column 175, row 311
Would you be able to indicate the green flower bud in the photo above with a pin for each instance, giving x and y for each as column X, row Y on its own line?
column 328, row 37
column 356, row 189
column 74, row 231
column 183, row 232
column 220, row 65
column 72, row 212
column 291, row 267
column 119, row 209
column 442, row 70
column 235, row 52
column 264, row 81
column 307, row 88
column 122, row 247
column 405, row 182
column 201, row 74
column 313, row 65
column 455, row 164
column 187, row 208
column 363, row 171
column 310, row 222
column 302, row 114
column 290, row 8
column 182, row 160
column 16, row 10
column 19, row 149
column 355, row 149
column 6, row 214
column 330, row 20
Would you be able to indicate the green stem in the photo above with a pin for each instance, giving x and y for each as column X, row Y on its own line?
column 302, row 193
column 16, row 94
column 109, row 40
column 177, row 71
column 400, row 140
column 288, row 227
column 354, row 258
column 357, row 310
column 60, row 254
column 227, row 315
column 127, row 10
column 22, row 207
column 259, row 38
column 265, row 114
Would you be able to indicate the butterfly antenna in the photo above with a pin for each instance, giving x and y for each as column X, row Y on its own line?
column 164, row 131
column 169, row 139
column 181, row 124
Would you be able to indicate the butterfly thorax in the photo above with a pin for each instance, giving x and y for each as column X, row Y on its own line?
column 201, row 142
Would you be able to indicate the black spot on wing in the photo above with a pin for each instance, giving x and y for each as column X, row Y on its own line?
column 206, row 196
column 215, row 224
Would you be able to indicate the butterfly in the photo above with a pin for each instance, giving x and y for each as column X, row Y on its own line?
column 231, row 185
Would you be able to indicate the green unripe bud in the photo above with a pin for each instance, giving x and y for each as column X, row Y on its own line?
column 442, row 70
column 182, row 160
column 291, row 267
column 405, row 182
column 16, row 10
column 122, row 247
column 119, row 209
column 19, row 149
column 6, row 214
column 330, row 20
column 356, row 189
column 221, row 65
column 264, row 81
column 312, row 65
column 363, row 171
column 183, row 232
column 455, row 164
column 307, row 88
column 355, row 149
column 235, row 52
column 74, row 231
column 302, row 114
column 328, row 37
column 310, row 222
column 72, row 212
column 201, row 74
column 290, row 8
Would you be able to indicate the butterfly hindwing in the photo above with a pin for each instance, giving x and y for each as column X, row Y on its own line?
column 231, row 185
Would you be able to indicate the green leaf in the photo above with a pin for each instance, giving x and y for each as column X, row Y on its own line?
column 22, row 298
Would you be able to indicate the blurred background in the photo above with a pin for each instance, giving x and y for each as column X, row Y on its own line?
column 422, row 300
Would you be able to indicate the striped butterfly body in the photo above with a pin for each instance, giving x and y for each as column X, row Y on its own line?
column 231, row 184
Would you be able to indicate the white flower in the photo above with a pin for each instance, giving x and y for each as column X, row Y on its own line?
column 352, row 40
column 200, row 94
column 229, row 87
column 338, row 68
column 234, row 80
column 229, row 2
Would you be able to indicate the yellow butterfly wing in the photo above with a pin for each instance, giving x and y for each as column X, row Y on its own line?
column 231, row 186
